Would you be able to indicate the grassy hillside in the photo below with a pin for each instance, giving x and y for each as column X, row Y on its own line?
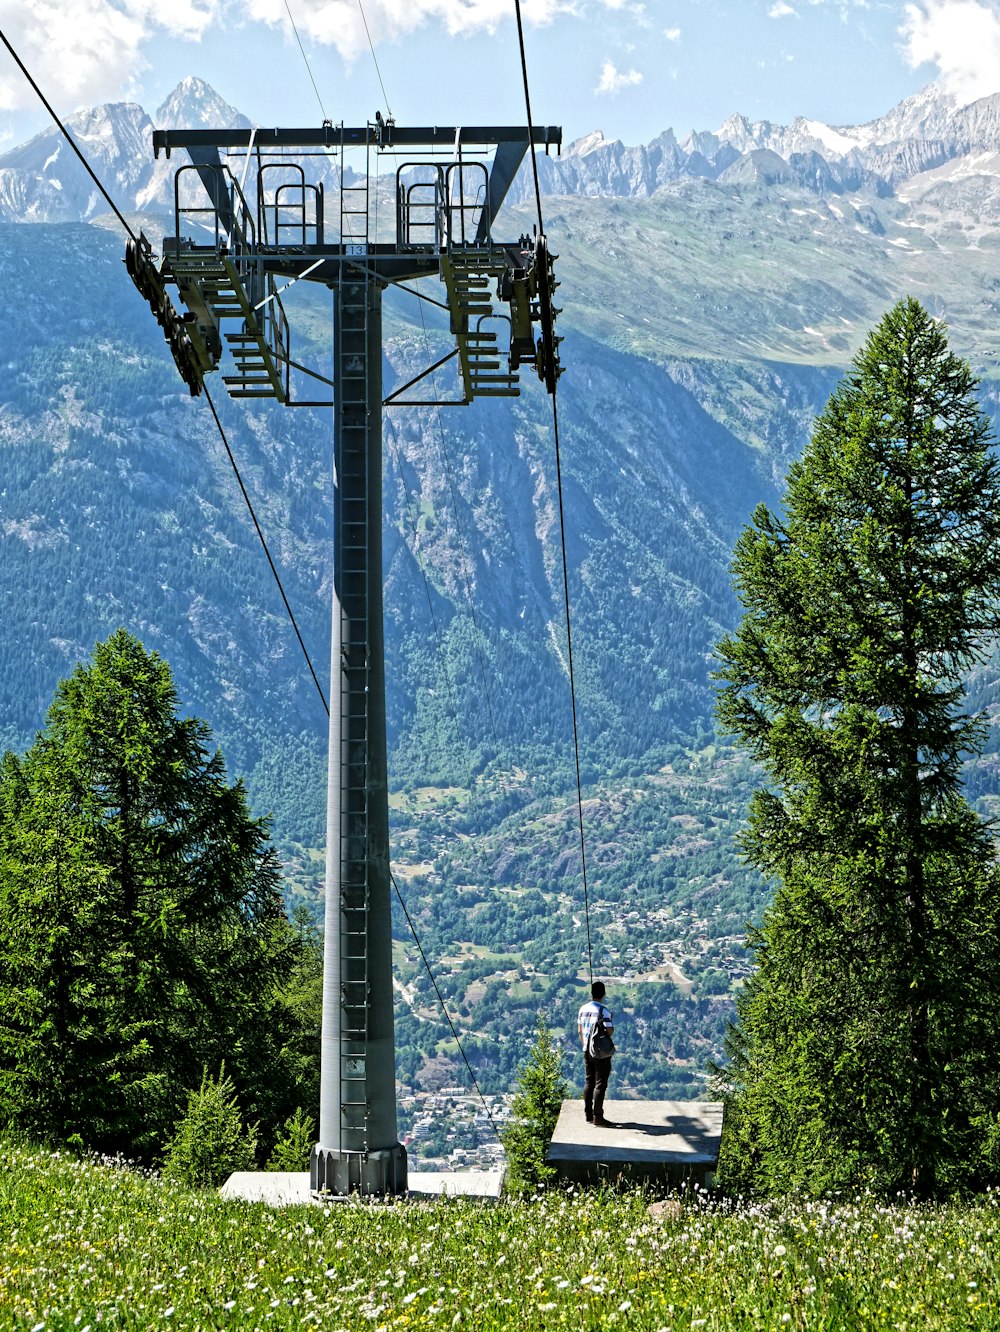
column 90, row 1246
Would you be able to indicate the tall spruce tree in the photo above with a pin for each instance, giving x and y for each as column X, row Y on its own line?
column 142, row 935
column 865, row 1050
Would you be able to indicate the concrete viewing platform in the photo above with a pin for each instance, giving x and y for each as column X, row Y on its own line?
column 280, row 1188
column 668, row 1142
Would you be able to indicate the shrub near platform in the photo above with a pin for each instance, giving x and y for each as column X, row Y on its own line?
column 92, row 1245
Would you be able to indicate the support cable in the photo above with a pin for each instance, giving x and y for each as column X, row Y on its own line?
column 263, row 542
column 527, row 108
column 302, row 49
column 562, row 521
column 222, row 434
column 371, row 47
column 444, row 1006
column 68, row 137
column 572, row 694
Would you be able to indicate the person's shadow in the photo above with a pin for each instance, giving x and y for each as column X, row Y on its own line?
column 693, row 1131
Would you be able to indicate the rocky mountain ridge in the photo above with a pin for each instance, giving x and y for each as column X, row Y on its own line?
column 41, row 181
column 923, row 132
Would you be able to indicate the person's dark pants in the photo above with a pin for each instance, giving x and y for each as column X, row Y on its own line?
column 595, row 1085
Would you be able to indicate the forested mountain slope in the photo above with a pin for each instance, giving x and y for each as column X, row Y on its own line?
column 706, row 322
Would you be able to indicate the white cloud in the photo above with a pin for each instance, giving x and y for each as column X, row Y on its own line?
column 78, row 50
column 86, row 51
column 613, row 80
column 960, row 37
column 784, row 8
column 338, row 23
column 672, row 34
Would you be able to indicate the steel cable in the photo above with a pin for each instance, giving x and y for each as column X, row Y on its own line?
column 562, row 520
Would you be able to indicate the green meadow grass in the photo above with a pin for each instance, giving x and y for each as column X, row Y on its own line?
column 87, row 1246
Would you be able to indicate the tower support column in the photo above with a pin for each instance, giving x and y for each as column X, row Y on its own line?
column 359, row 1149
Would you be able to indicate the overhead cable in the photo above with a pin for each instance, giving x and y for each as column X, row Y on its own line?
column 562, row 521
column 444, row 1006
column 527, row 108
column 371, row 47
column 68, row 137
column 305, row 58
column 264, row 545
column 222, row 434
column 572, row 692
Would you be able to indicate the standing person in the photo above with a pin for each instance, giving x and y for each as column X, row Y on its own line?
column 597, row 1070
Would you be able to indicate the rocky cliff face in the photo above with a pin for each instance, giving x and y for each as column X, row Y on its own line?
column 43, row 180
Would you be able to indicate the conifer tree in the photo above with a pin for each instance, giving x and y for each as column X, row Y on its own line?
column 538, row 1096
column 865, row 1048
column 142, row 934
column 211, row 1140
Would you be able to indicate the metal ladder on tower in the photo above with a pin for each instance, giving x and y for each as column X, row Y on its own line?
column 352, row 337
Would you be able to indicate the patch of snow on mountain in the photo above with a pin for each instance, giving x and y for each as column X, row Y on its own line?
column 978, row 165
column 925, row 143
column 835, row 141
column 588, row 144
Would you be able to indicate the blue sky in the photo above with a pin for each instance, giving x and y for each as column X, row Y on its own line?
column 631, row 68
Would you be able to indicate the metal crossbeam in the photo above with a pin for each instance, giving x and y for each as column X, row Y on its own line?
column 333, row 136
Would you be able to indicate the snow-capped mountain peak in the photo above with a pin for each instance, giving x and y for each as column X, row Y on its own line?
column 588, row 144
column 194, row 104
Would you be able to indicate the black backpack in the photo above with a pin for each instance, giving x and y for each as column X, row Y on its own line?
column 599, row 1042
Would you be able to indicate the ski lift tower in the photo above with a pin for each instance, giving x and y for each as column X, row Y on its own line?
column 250, row 218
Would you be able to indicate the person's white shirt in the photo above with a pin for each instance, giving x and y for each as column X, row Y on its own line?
column 588, row 1016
